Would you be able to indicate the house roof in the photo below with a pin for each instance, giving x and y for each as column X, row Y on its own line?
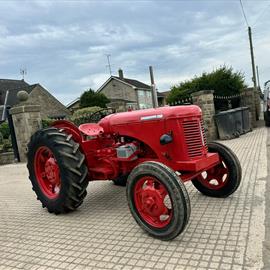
column 72, row 103
column 133, row 82
column 13, row 86
column 130, row 82
column 7, row 84
column 163, row 94
column 160, row 94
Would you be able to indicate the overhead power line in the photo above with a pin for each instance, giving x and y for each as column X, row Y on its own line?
column 260, row 15
column 251, row 47
column 243, row 11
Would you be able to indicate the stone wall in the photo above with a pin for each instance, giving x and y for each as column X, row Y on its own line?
column 118, row 90
column 205, row 100
column 27, row 120
column 6, row 158
column 248, row 100
column 49, row 105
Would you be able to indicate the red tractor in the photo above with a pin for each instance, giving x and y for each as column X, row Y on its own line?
column 152, row 151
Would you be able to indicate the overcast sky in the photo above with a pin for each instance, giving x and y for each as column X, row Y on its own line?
column 63, row 44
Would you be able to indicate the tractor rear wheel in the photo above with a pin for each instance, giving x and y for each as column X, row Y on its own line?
column 223, row 179
column 57, row 170
column 158, row 200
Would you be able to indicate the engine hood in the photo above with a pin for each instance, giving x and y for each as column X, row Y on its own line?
column 157, row 114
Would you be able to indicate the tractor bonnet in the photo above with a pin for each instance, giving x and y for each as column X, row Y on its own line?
column 157, row 114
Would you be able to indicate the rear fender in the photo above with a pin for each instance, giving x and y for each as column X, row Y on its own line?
column 69, row 128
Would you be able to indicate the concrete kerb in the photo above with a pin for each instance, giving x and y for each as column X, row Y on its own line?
column 266, row 244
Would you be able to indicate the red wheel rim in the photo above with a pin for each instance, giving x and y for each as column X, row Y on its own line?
column 216, row 177
column 153, row 202
column 47, row 172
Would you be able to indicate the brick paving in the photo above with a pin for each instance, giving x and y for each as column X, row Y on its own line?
column 101, row 234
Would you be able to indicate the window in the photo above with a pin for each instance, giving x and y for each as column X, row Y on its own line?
column 145, row 99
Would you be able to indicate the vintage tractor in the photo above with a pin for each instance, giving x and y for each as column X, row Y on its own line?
column 153, row 151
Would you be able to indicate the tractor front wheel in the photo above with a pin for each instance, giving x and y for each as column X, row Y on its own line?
column 57, row 170
column 223, row 179
column 158, row 200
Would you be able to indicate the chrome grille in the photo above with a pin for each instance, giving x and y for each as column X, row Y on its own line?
column 194, row 137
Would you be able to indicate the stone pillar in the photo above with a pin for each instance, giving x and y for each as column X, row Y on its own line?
column 248, row 100
column 205, row 100
column 257, row 104
column 27, row 120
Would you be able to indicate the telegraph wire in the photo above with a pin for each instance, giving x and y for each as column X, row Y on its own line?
column 261, row 14
column 244, row 14
column 254, row 79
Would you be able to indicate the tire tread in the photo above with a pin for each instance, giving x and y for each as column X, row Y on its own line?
column 72, row 167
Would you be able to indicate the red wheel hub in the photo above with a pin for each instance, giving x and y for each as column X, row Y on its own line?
column 52, row 170
column 216, row 177
column 153, row 202
column 47, row 172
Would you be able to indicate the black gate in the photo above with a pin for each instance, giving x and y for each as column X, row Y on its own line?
column 183, row 101
column 12, row 138
column 224, row 103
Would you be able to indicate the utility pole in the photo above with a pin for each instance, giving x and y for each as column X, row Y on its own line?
column 109, row 63
column 257, row 69
column 252, row 59
column 153, row 86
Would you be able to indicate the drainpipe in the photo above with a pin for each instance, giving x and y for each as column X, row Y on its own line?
column 5, row 106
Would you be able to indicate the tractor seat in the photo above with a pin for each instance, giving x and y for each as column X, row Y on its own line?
column 91, row 129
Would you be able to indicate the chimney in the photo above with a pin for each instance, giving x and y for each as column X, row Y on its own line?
column 121, row 74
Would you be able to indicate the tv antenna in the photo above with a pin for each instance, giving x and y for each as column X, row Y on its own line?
column 109, row 63
column 23, row 72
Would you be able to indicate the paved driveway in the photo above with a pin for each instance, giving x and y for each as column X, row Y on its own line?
column 222, row 233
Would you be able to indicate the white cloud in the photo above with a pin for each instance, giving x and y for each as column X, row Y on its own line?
column 63, row 44
column 3, row 30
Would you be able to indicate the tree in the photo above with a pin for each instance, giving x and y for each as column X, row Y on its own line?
column 224, row 81
column 90, row 98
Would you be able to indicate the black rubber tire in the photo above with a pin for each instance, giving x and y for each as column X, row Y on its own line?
column 121, row 180
column 73, row 171
column 178, row 194
column 234, row 175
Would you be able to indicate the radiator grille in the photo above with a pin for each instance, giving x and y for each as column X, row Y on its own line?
column 203, row 133
column 194, row 137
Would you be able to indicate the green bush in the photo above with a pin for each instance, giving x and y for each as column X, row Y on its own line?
column 91, row 98
column 84, row 111
column 224, row 81
column 1, row 138
column 7, row 145
column 84, row 115
column 4, row 129
column 46, row 122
